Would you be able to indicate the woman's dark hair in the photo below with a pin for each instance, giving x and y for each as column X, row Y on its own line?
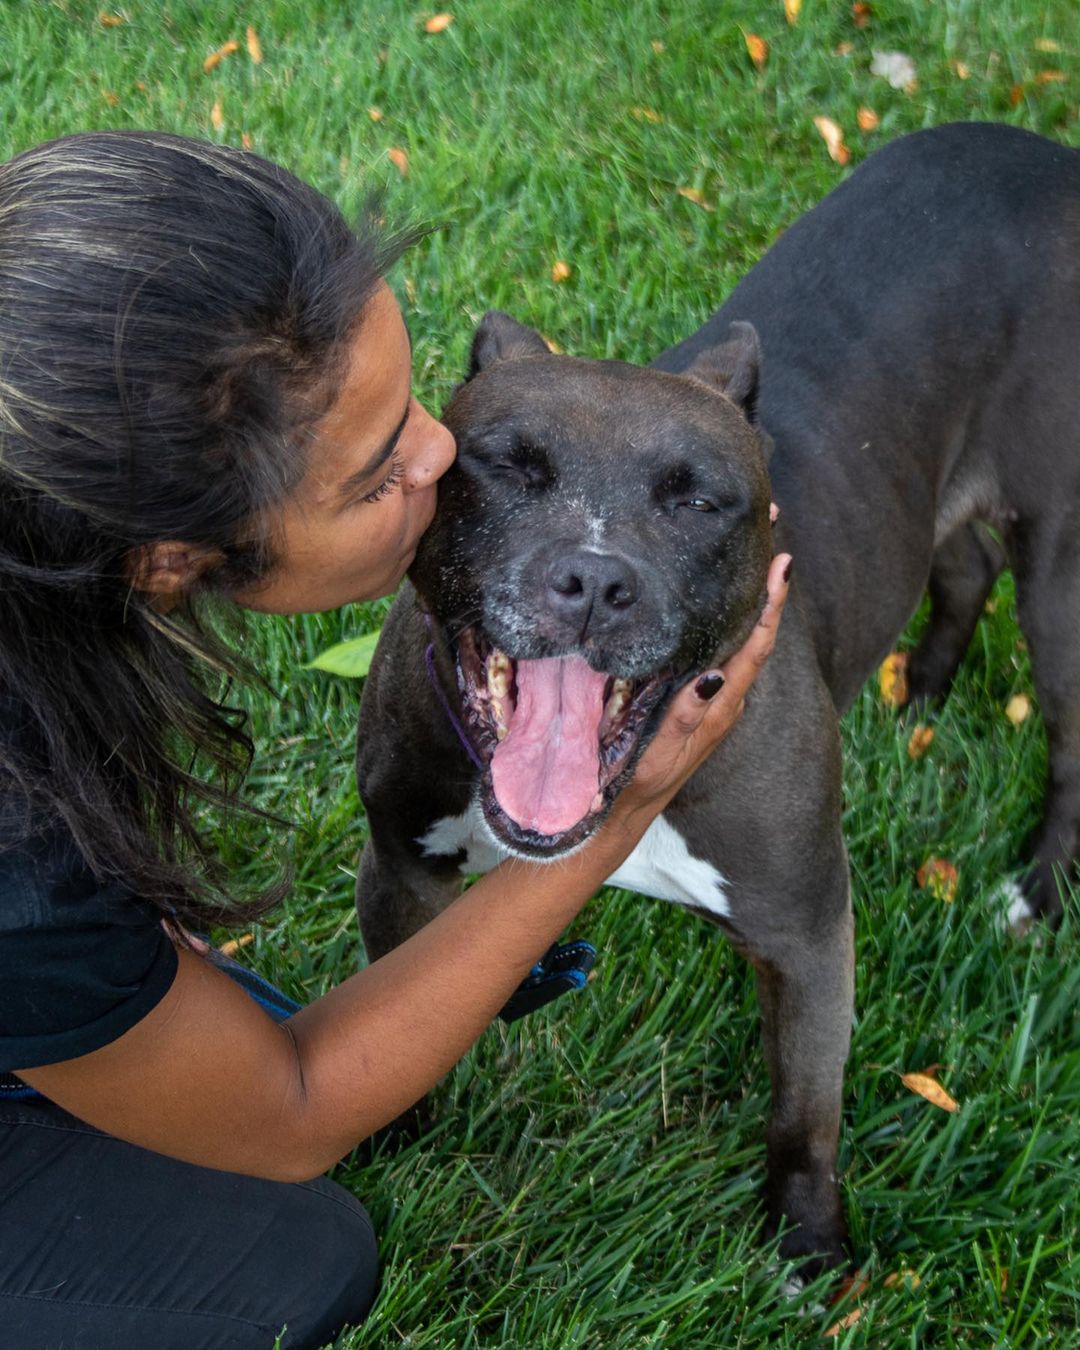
column 174, row 316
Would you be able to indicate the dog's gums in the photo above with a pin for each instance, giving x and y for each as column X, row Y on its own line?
column 555, row 736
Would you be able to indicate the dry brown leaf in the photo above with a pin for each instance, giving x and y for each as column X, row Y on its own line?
column 110, row 98
column 860, row 14
column 940, row 877
column 254, row 46
column 552, row 346
column 215, row 58
column 1018, row 709
column 922, row 738
column 1049, row 76
column 657, row 46
column 217, row 117
column 867, row 119
column 640, row 114
column 931, row 1089
column 963, row 71
column 1016, row 95
column 848, row 1320
column 438, row 23
column 833, row 137
column 892, row 679
column 110, row 20
column 791, row 10
column 905, row 1278
column 399, row 159
column 560, row 271
column 246, row 140
column 1047, row 45
column 376, row 114
column 844, row 48
column 694, row 195
column 233, row 945
column 1003, row 1280
column 758, row 49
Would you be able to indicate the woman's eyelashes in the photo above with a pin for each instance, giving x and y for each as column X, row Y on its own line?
column 390, row 482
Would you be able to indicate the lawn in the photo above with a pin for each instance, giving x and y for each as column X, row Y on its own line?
column 592, row 1177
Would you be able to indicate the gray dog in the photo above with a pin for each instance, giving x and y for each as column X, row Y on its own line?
column 604, row 535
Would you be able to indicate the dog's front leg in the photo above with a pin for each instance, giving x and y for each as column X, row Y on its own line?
column 806, row 991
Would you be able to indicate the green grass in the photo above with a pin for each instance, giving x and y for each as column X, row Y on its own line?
column 592, row 1177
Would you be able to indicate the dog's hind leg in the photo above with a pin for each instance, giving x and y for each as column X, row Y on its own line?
column 806, row 992
column 963, row 571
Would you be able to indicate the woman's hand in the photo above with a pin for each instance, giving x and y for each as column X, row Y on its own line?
column 702, row 714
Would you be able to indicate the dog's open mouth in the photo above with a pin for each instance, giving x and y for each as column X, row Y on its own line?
column 555, row 734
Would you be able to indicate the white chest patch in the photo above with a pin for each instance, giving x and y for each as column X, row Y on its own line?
column 661, row 865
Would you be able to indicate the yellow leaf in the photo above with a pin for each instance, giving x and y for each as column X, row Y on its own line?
column 791, row 10
column 905, row 1278
column 892, row 679
column 848, row 1320
column 1047, row 45
column 438, row 23
column 245, row 140
column 867, row 119
column 758, row 49
column 963, row 72
column 560, row 271
column 694, row 195
column 400, row 160
column 1018, row 709
column 921, row 740
column 254, row 46
column 833, row 137
column 940, row 877
column 217, row 117
column 553, row 346
column 110, row 98
column 110, row 20
column 1049, row 76
column 376, row 114
column 657, row 46
column 929, row 1088
column 233, row 945
column 844, row 48
column 216, row 58
column 640, row 114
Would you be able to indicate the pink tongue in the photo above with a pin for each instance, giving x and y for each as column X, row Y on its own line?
column 546, row 771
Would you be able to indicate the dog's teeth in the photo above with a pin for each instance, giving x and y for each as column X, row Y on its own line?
column 498, row 712
column 499, row 673
column 620, row 697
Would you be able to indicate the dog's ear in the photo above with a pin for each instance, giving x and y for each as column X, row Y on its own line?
column 501, row 338
column 734, row 367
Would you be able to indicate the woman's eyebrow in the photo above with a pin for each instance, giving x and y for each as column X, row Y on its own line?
column 360, row 477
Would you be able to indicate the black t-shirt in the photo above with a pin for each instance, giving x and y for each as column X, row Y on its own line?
column 80, row 962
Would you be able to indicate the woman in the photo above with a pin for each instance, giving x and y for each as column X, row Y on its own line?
column 205, row 392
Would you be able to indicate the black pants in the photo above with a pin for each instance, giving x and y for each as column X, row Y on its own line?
column 103, row 1244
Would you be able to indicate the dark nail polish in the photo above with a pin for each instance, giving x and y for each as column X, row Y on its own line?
column 787, row 569
column 709, row 686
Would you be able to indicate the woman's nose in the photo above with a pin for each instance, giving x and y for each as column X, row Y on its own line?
column 434, row 449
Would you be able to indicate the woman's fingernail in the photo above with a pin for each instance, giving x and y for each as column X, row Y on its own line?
column 787, row 569
column 709, row 685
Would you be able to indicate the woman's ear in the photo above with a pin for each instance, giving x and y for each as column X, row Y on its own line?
column 169, row 568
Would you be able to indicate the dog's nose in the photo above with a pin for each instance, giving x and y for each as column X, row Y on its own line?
column 585, row 582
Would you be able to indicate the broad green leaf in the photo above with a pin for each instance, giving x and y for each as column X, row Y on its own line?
column 351, row 658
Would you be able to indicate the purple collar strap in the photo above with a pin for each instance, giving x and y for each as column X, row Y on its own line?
column 440, row 694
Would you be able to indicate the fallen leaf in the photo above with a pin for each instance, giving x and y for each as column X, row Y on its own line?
column 552, row 346
column 217, row 117
column 758, row 49
column 1047, row 45
column 376, row 114
column 867, row 119
column 834, row 139
column 560, row 271
column 844, row 48
column 110, row 98
column 110, row 20
column 940, row 877
column 963, row 71
column 791, row 10
column 233, row 945
column 215, row 58
column 892, row 679
column 922, row 738
column 1018, row 709
column 140, row 85
column 860, row 14
column 1016, row 95
column 1049, row 76
column 896, row 67
column 438, row 23
column 254, row 46
column 694, row 195
column 848, row 1320
column 245, row 140
column 640, row 114
column 382, row 55
column 400, row 160
column 904, row 1277
column 929, row 1088
column 657, row 46
column 1003, row 1278
column 410, row 290
column 851, row 1286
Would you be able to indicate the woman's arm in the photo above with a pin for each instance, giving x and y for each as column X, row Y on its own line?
column 208, row 1077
